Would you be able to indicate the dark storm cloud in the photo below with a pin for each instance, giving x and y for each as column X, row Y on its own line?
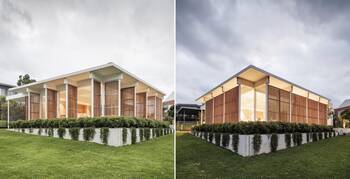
column 306, row 42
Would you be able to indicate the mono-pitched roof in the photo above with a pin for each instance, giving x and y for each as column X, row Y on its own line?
column 262, row 71
column 7, row 85
column 110, row 64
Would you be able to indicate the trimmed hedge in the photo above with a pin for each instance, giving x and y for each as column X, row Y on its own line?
column 97, row 122
column 261, row 128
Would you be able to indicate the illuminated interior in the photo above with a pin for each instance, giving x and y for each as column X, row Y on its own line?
column 84, row 98
column 260, row 94
column 61, row 91
column 247, row 103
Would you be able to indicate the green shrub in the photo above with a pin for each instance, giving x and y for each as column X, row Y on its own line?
column 307, row 137
column 74, row 133
column 256, row 143
column 88, row 133
column 39, row 131
column 30, row 130
column 225, row 139
column 261, row 128
column 23, row 130
column 61, row 132
column 45, row 130
column 50, row 132
column 326, row 135
column 111, row 122
column 217, row 139
column 210, row 137
column 147, row 133
column 154, row 133
column 320, row 136
column 314, row 136
column 235, row 141
column 104, row 133
column 297, row 138
column 287, row 140
column 133, row 135
column 274, row 142
column 124, row 135
column 206, row 136
column 141, row 133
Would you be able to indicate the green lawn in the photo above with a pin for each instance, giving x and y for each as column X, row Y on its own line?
column 27, row 156
column 328, row 158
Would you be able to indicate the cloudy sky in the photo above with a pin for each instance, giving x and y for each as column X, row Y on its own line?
column 50, row 38
column 306, row 42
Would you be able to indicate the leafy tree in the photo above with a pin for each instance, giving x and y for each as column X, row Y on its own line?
column 17, row 109
column 345, row 117
column 23, row 80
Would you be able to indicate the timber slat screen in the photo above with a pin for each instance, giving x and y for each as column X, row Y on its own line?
column 323, row 113
column 159, row 106
column 111, row 98
column 97, row 98
column 128, row 101
column 274, row 104
column 26, row 106
column 298, row 109
column 151, row 107
column 231, row 105
column 72, row 101
column 209, row 111
column 218, row 109
column 312, row 111
column 141, row 105
column 51, row 104
column 34, row 106
column 284, row 106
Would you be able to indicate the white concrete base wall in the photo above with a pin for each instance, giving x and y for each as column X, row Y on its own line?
column 343, row 131
column 115, row 136
column 245, row 143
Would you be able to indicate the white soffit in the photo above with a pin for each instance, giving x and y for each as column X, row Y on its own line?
column 299, row 91
column 323, row 100
column 252, row 75
column 314, row 97
column 279, row 84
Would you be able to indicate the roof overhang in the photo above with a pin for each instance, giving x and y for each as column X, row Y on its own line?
column 252, row 75
column 86, row 73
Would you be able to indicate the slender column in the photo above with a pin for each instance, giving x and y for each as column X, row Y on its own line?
column 307, row 109
column 254, row 112
column 223, row 113
column 102, row 97
column 201, row 116
column 213, row 120
column 29, row 110
column 46, row 107
column 8, row 114
column 119, row 96
column 92, row 98
column 155, row 106
column 290, row 106
column 135, row 101
column 267, row 103
column 58, row 105
column 239, row 102
column 67, row 101
column 146, row 109
column 318, row 111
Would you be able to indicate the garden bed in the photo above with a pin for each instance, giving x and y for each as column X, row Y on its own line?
column 109, row 136
column 254, row 138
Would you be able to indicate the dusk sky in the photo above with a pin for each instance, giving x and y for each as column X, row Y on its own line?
column 305, row 42
column 50, row 38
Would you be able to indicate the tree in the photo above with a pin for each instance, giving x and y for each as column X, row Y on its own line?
column 23, row 80
column 17, row 109
column 345, row 117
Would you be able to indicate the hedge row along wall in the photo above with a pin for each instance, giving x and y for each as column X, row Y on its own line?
column 108, row 136
column 252, row 138
column 98, row 122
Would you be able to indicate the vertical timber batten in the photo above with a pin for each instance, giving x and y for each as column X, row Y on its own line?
column 119, row 98
column 92, row 98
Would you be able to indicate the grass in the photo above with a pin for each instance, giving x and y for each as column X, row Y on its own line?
column 27, row 156
column 329, row 158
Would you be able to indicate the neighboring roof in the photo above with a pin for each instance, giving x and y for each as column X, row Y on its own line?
column 170, row 97
column 263, row 71
column 7, row 85
column 110, row 64
column 179, row 107
column 346, row 103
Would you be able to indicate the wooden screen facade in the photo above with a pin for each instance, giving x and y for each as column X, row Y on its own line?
column 34, row 106
column 111, row 98
column 298, row 109
column 128, row 101
column 209, row 111
column 159, row 108
column 312, row 111
column 141, row 105
column 219, row 109
column 151, row 107
column 323, row 114
column 274, row 103
column 97, row 99
column 231, row 105
column 72, row 101
column 51, row 104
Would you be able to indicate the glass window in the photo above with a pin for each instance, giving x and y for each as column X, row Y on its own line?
column 247, row 103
